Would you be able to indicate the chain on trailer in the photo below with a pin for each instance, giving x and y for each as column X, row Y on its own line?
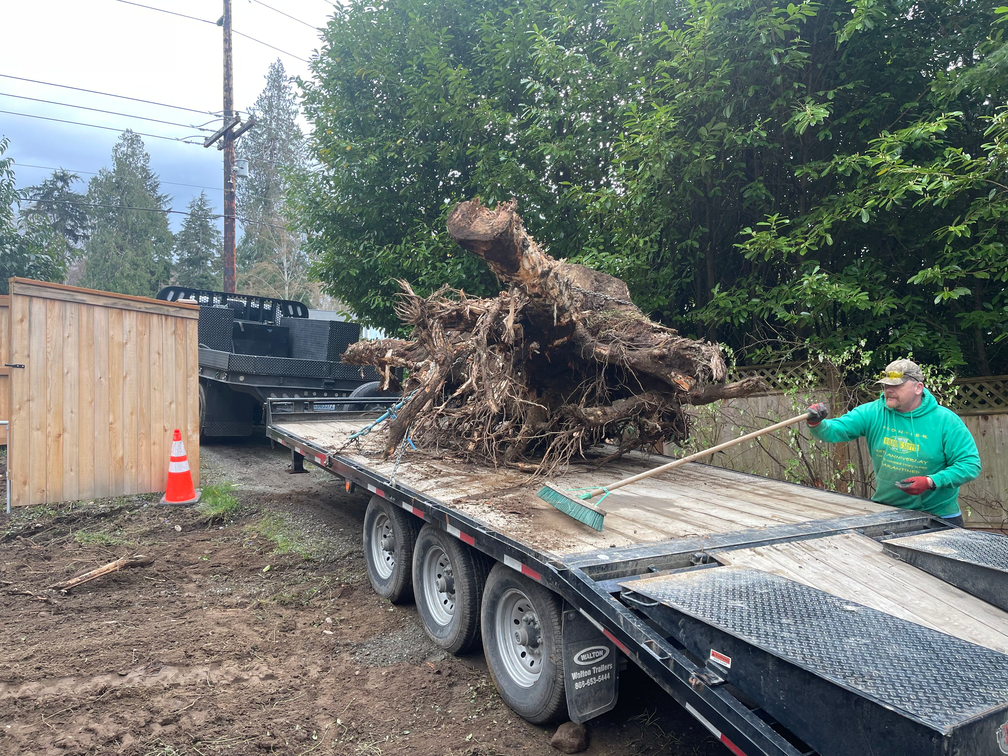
column 399, row 454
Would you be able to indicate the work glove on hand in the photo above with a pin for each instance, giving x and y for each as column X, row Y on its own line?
column 817, row 413
column 916, row 485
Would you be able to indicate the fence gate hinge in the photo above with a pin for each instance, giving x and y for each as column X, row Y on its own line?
column 7, row 364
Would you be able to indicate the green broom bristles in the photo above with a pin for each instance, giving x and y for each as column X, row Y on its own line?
column 586, row 513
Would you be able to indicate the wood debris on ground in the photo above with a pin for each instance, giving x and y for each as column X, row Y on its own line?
column 559, row 362
column 114, row 566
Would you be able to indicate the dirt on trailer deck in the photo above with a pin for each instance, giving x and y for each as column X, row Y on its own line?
column 254, row 633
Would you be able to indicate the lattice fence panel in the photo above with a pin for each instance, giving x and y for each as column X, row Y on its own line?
column 980, row 396
column 783, row 376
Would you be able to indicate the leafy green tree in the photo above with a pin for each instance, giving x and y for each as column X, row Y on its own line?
column 129, row 250
column 270, row 257
column 402, row 127
column 54, row 202
column 198, row 248
column 901, row 194
column 781, row 177
column 31, row 250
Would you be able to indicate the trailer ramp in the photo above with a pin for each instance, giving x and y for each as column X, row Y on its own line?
column 847, row 679
column 976, row 562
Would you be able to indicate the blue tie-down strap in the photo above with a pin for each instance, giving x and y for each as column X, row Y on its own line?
column 390, row 413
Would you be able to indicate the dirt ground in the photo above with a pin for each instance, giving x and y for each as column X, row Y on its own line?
column 257, row 633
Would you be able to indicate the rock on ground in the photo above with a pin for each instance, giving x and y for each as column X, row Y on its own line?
column 570, row 738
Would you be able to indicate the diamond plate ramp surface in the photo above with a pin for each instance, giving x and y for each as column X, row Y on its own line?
column 839, row 674
column 976, row 562
column 986, row 549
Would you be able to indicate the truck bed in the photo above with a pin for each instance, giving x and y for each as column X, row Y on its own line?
column 695, row 502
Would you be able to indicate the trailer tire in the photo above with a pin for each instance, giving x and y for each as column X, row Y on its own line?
column 389, row 537
column 523, row 644
column 448, row 580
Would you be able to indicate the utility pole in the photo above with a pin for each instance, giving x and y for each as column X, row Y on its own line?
column 229, row 140
column 228, row 134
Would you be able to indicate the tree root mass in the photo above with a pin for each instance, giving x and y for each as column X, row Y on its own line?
column 560, row 362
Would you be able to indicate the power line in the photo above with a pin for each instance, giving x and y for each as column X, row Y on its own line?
column 303, row 23
column 215, row 216
column 296, row 57
column 108, row 112
column 170, row 13
column 106, row 128
column 213, row 23
column 94, row 173
column 108, row 94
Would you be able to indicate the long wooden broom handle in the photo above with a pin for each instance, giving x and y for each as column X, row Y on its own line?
column 699, row 454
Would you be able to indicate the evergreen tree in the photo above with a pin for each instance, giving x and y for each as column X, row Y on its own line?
column 270, row 258
column 31, row 251
column 198, row 248
column 56, row 204
column 129, row 250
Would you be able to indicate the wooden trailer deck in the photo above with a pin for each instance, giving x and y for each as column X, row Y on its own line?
column 692, row 501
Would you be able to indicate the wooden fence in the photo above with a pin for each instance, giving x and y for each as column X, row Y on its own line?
column 106, row 380
column 4, row 359
column 982, row 403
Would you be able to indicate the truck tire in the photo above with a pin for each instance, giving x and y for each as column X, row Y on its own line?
column 389, row 537
column 523, row 644
column 367, row 390
column 202, row 409
column 448, row 580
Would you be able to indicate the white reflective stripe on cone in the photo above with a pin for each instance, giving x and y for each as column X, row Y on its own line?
column 177, row 449
column 177, row 467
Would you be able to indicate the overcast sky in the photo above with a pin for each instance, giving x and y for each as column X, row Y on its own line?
column 119, row 48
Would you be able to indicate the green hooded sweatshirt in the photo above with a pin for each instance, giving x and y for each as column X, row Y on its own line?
column 929, row 440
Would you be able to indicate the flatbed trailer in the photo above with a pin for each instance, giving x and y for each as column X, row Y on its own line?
column 788, row 620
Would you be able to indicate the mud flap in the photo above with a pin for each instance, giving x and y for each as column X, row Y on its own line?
column 590, row 668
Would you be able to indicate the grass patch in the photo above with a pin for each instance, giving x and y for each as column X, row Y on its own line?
column 218, row 503
column 286, row 538
column 40, row 512
column 98, row 538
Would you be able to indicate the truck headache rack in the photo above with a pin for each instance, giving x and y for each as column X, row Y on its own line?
column 254, row 348
column 244, row 306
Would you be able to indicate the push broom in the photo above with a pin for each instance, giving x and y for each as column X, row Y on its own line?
column 592, row 515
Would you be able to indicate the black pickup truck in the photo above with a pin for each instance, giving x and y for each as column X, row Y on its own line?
column 252, row 349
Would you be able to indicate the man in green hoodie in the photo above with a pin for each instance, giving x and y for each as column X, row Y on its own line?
column 921, row 452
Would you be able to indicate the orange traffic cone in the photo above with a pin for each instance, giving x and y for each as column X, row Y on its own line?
column 179, row 489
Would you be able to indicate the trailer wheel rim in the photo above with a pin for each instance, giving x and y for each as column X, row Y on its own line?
column 519, row 639
column 383, row 546
column 439, row 585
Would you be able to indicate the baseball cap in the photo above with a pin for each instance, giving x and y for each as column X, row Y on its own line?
column 899, row 371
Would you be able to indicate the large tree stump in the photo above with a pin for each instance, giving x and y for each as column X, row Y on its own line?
column 559, row 362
